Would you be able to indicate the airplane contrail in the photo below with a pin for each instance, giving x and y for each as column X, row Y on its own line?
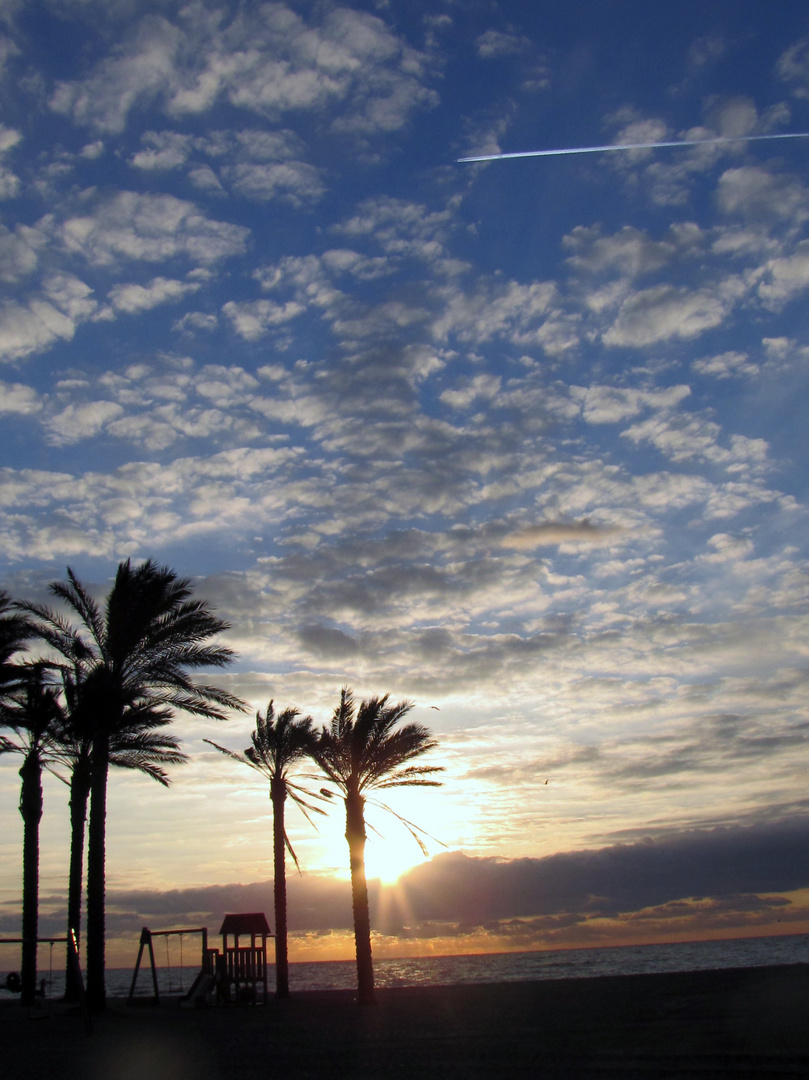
column 633, row 146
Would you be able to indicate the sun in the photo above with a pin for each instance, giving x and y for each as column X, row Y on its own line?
column 388, row 858
column 390, row 849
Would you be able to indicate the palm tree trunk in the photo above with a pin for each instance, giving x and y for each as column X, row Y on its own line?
column 31, row 811
column 79, row 794
column 96, row 876
column 355, row 835
column 278, row 796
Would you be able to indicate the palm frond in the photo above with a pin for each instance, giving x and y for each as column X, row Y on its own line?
column 52, row 628
column 411, row 827
column 243, row 759
column 74, row 594
column 291, row 850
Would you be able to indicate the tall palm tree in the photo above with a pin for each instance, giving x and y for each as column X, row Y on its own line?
column 360, row 751
column 15, row 630
column 139, row 748
column 34, row 713
column 131, row 657
column 279, row 743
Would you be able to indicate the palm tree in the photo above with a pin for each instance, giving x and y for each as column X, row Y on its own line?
column 15, row 630
column 131, row 658
column 278, row 744
column 34, row 713
column 363, row 750
column 139, row 748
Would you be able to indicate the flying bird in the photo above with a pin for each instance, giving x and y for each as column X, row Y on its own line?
column 634, row 146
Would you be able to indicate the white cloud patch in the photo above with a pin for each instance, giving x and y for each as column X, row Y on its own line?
column 267, row 60
column 611, row 405
column 71, row 294
column 793, row 67
column 727, row 549
column 480, row 388
column 785, row 278
column 132, row 299
column 151, row 228
column 205, row 179
column 495, row 44
column 294, row 182
column 8, row 48
column 20, row 399
column 252, row 319
column 136, row 73
column 665, row 312
column 754, row 193
column 362, row 267
column 9, row 137
column 684, row 437
column 9, row 182
column 726, row 365
column 401, row 228
column 77, row 422
column 163, row 150
column 630, row 252
column 19, row 253
column 31, row 327
column 510, row 310
column 196, row 320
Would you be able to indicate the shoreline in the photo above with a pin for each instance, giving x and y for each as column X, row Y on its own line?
column 725, row 1022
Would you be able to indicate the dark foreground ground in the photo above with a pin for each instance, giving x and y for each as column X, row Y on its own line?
column 747, row 1023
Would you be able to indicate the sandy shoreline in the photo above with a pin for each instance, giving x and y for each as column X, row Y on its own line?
column 749, row 1022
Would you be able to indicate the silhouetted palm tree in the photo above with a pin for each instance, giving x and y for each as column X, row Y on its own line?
column 131, row 658
column 34, row 713
column 15, row 630
column 363, row 750
column 278, row 744
column 139, row 748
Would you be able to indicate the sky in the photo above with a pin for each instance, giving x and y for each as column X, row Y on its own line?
column 522, row 442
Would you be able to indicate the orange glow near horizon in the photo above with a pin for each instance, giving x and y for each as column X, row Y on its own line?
column 595, row 933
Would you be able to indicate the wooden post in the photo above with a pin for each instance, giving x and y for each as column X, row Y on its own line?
column 145, row 939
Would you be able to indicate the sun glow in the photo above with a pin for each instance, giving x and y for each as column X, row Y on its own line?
column 388, row 858
column 391, row 849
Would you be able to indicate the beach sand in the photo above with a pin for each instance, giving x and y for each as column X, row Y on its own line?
column 750, row 1022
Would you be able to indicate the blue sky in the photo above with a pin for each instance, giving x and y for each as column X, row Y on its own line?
column 523, row 441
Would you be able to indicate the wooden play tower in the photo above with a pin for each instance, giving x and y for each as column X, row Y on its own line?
column 246, row 965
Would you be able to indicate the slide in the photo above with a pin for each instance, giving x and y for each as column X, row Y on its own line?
column 195, row 998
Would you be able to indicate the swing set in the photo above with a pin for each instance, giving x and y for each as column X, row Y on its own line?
column 240, row 967
column 43, row 996
column 147, row 937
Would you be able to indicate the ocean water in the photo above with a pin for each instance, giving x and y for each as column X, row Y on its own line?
column 490, row 968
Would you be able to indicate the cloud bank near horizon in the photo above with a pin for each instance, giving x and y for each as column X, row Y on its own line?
column 719, row 882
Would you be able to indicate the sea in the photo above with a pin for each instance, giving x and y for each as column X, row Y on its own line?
column 488, row 968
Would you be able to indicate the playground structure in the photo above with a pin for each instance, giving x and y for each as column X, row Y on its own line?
column 234, row 972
